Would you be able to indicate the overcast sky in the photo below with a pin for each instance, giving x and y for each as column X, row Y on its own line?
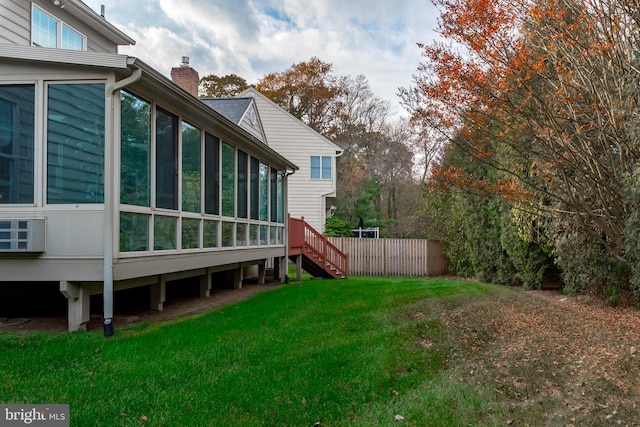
column 250, row 38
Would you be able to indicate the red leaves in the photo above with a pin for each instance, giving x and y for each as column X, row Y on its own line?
column 508, row 189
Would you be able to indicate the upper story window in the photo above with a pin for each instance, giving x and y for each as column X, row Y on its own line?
column 320, row 167
column 48, row 31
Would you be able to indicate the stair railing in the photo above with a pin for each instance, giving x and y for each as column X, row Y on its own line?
column 303, row 236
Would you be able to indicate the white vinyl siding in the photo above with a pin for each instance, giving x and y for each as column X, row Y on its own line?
column 251, row 123
column 15, row 21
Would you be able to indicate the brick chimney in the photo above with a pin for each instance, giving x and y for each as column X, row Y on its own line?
column 186, row 77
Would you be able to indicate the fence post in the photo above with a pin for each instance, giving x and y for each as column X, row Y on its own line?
column 385, row 255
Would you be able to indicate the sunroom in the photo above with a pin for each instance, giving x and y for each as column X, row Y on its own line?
column 113, row 177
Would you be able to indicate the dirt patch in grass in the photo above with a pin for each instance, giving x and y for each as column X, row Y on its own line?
column 549, row 359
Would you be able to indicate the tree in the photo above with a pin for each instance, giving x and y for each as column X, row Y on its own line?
column 307, row 90
column 545, row 92
column 337, row 227
column 375, row 178
column 213, row 86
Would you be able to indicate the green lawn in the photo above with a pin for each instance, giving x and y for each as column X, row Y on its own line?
column 339, row 352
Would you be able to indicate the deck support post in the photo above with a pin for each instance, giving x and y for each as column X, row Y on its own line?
column 237, row 277
column 158, row 295
column 261, row 272
column 78, row 313
column 205, row 285
column 276, row 269
column 298, row 268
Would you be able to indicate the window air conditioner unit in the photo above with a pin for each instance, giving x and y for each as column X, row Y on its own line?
column 22, row 235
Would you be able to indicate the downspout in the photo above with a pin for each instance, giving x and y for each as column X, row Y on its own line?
column 109, row 162
column 287, row 174
column 335, row 185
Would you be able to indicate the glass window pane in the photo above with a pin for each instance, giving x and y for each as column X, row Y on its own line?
column 326, row 167
column 281, row 198
column 164, row 232
column 75, row 143
column 227, row 233
column 273, row 185
column 281, row 235
column 243, row 184
column 44, row 29
column 71, row 39
column 210, row 234
column 241, row 234
column 254, row 186
column 190, row 233
column 228, row 179
column 16, row 143
column 254, row 233
column 166, row 160
column 134, row 232
column 212, row 175
column 273, row 235
column 264, row 234
column 191, row 168
column 135, row 150
column 315, row 167
column 264, row 192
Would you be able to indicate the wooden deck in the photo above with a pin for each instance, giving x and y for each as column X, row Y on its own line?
column 313, row 251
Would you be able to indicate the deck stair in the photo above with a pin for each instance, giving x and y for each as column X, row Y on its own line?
column 319, row 257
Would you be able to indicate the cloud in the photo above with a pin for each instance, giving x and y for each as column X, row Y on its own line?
column 250, row 38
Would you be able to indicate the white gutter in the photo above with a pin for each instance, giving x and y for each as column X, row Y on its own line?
column 69, row 57
column 109, row 201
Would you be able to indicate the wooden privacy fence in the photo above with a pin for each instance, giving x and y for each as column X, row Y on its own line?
column 392, row 257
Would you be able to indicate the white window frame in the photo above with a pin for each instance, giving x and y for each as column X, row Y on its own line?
column 321, row 177
column 59, row 26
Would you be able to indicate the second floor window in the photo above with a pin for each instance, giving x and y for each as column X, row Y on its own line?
column 320, row 167
column 47, row 31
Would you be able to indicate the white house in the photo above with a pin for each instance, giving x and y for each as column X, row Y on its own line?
column 312, row 189
column 112, row 176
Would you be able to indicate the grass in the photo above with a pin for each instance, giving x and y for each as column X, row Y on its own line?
column 339, row 352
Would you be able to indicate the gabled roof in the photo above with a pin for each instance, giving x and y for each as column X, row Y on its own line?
column 253, row 92
column 237, row 110
column 233, row 109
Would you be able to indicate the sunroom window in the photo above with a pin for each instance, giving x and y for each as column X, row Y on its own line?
column 228, row 180
column 264, row 192
column 75, row 143
column 191, row 168
column 243, row 184
column 16, row 143
column 135, row 140
column 166, row 160
column 211, row 174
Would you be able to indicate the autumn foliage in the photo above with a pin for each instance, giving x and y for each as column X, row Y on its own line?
column 375, row 179
column 307, row 90
column 544, row 92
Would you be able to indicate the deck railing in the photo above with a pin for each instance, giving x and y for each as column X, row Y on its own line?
column 304, row 238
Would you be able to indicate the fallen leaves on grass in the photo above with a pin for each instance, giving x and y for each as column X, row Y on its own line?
column 551, row 358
